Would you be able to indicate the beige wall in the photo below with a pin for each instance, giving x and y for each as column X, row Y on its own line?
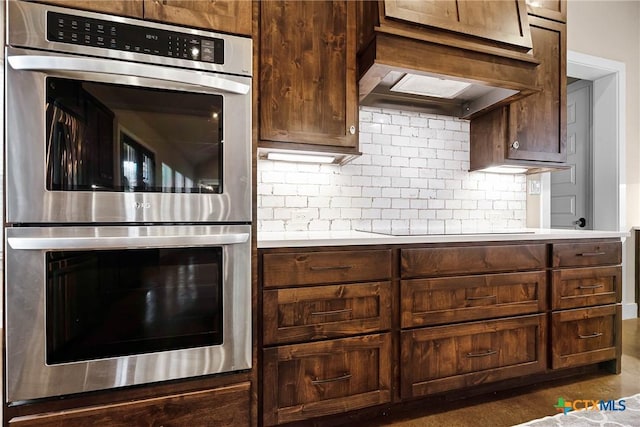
column 610, row 29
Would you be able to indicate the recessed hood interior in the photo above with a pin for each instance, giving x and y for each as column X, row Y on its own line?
column 392, row 67
column 432, row 93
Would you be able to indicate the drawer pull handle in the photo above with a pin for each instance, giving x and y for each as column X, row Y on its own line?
column 331, row 312
column 482, row 297
column 591, row 254
column 332, row 380
column 329, row 268
column 482, row 353
column 591, row 286
column 593, row 335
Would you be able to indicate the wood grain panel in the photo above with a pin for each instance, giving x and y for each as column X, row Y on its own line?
column 585, row 336
column 500, row 21
column 538, row 122
column 458, row 299
column 307, row 380
column 307, row 73
column 583, row 287
column 131, row 8
column 229, row 16
column 224, row 407
column 550, row 9
column 585, row 254
column 305, row 268
column 320, row 312
column 444, row 358
column 471, row 259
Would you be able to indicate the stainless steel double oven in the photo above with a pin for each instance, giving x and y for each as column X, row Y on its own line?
column 127, row 202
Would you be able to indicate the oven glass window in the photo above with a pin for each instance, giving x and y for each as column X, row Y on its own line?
column 105, row 137
column 115, row 303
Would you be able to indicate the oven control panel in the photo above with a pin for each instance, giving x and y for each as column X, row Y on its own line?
column 126, row 37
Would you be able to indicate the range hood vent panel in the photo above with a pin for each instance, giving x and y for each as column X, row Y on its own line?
column 399, row 68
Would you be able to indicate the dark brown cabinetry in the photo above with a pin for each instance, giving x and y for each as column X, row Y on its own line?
column 307, row 66
column 500, row 21
column 351, row 328
column 586, row 316
column 486, row 282
column 330, row 307
column 308, row 380
column 224, row 407
column 451, row 357
column 550, row 9
column 532, row 131
column 228, row 16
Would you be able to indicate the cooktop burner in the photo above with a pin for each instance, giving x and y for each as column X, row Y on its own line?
column 422, row 232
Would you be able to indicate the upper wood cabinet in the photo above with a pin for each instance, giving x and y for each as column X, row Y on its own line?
column 550, row 9
column 131, row 8
column 307, row 75
column 531, row 131
column 230, row 16
column 502, row 21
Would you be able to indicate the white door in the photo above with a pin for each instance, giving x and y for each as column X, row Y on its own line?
column 571, row 188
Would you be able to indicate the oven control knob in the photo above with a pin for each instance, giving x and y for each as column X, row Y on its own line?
column 195, row 52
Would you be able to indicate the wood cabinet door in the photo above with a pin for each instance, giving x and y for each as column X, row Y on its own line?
column 586, row 335
column 583, row 287
column 307, row 73
column 228, row 16
column 537, row 123
column 221, row 407
column 309, row 380
column 321, row 312
column 308, row 268
column 131, row 8
column 550, row 9
column 445, row 358
column 461, row 298
column 504, row 21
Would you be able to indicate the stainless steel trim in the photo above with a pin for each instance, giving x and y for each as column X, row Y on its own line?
column 26, row 27
column 106, row 66
column 28, row 201
column 78, row 243
column 29, row 377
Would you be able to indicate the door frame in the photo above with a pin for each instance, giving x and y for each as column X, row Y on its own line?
column 609, row 124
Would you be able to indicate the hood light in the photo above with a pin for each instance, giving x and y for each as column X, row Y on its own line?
column 504, row 170
column 416, row 84
column 304, row 158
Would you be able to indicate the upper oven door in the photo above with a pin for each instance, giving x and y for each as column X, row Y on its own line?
column 109, row 141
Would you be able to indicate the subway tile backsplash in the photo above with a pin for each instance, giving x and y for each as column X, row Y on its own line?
column 413, row 174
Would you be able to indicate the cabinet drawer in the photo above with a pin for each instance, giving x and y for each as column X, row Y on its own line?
column 471, row 259
column 586, row 254
column 583, row 287
column 585, row 336
column 225, row 407
column 444, row 358
column 456, row 299
column 306, row 268
column 331, row 311
column 308, row 380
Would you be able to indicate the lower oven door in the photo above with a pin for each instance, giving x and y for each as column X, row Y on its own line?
column 91, row 308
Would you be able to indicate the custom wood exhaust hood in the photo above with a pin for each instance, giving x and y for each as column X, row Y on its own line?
column 459, row 58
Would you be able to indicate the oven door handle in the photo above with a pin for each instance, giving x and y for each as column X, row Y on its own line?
column 124, row 242
column 105, row 66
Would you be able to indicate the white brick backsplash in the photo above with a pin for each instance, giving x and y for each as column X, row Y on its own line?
column 413, row 174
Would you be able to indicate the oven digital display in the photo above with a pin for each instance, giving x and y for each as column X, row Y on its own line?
column 131, row 38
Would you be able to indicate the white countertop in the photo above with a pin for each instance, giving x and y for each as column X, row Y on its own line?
column 347, row 238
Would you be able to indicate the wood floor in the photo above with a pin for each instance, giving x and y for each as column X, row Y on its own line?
column 518, row 406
